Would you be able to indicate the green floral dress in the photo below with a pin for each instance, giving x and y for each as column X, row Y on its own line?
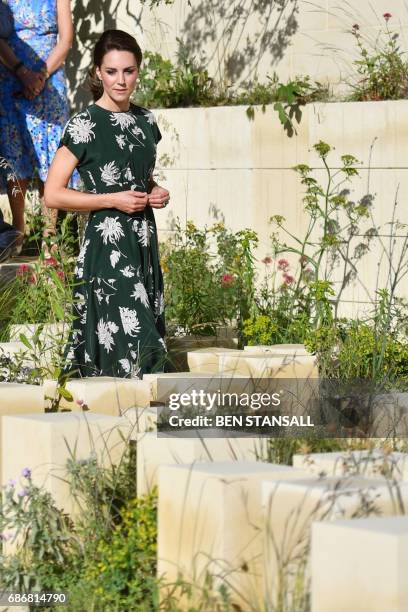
column 119, row 325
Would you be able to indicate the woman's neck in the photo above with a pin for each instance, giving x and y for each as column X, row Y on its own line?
column 111, row 105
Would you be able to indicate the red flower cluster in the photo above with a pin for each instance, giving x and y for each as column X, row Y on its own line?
column 283, row 265
column 267, row 260
column 387, row 16
column 24, row 270
column 288, row 279
column 227, row 279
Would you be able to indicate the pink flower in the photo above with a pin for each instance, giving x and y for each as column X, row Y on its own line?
column 283, row 265
column 61, row 274
column 387, row 16
column 80, row 402
column 288, row 279
column 32, row 280
column 50, row 261
column 23, row 269
column 227, row 279
column 267, row 260
column 303, row 261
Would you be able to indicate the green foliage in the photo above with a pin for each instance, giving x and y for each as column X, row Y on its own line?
column 382, row 67
column 122, row 573
column 209, row 277
column 163, row 85
column 41, row 291
column 44, row 537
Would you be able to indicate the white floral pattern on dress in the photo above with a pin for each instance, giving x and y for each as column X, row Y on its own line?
column 121, row 140
column 105, row 331
column 130, row 321
column 110, row 174
column 122, row 119
column 81, row 129
column 150, row 117
column 128, row 271
column 125, row 363
column 114, row 258
column 140, row 293
column 111, row 230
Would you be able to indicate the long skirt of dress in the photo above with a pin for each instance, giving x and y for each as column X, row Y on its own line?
column 118, row 326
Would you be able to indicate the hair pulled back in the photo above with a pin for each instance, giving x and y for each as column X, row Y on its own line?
column 111, row 40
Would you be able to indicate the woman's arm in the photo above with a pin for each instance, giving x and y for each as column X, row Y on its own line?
column 65, row 36
column 32, row 81
column 57, row 195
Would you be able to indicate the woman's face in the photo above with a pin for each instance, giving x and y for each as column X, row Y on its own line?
column 118, row 73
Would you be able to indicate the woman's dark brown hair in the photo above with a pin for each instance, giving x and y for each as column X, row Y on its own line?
column 111, row 40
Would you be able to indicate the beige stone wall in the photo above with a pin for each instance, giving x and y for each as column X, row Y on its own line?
column 242, row 38
column 219, row 165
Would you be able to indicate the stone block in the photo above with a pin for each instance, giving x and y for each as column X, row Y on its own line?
column 17, row 398
column 209, row 521
column 367, row 463
column 45, row 442
column 360, row 564
column 152, row 452
column 102, row 394
column 206, row 360
column 291, row 507
column 185, row 382
column 287, row 366
column 278, row 349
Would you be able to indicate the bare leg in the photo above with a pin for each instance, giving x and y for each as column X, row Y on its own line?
column 16, row 191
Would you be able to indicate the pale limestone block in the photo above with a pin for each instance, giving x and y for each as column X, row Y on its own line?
column 206, row 360
column 291, row 507
column 102, row 394
column 185, row 382
column 360, row 564
column 141, row 420
column 45, row 442
column 371, row 464
column 233, row 363
column 50, row 332
column 152, row 452
column 278, row 349
column 288, row 366
column 17, row 398
column 209, row 520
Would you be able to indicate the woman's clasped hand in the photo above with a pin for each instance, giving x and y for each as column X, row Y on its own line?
column 134, row 201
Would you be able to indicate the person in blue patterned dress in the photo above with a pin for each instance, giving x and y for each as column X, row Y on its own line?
column 33, row 95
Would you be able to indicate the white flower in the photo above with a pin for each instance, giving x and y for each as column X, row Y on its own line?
column 81, row 130
column 120, row 140
column 70, row 354
column 79, row 272
column 128, row 271
column 110, row 174
column 137, row 131
column 140, row 294
column 150, row 117
column 128, row 174
column 111, row 230
column 125, row 363
column 159, row 303
column 82, row 252
column 143, row 231
column 99, row 295
column 114, row 258
column 105, row 331
column 122, row 119
column 130, row 322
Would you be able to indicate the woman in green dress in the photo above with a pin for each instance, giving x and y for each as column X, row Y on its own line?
column 119, row 306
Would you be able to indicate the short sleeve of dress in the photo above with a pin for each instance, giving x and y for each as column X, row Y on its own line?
column 73, row 139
